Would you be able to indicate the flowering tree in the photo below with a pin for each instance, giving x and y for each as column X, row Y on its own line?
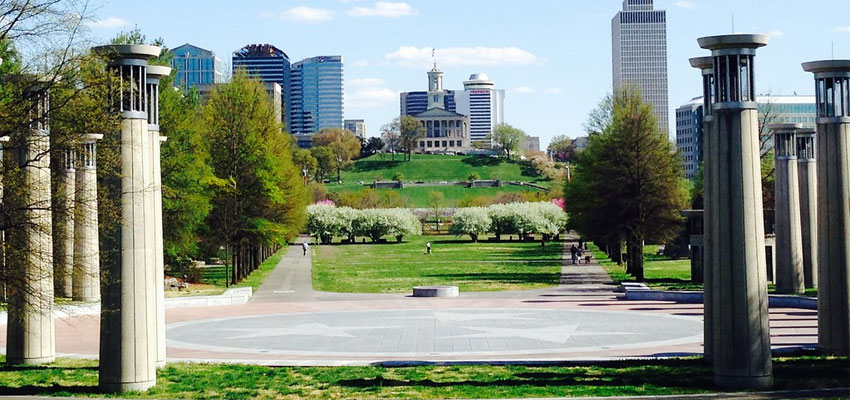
column 471, row 221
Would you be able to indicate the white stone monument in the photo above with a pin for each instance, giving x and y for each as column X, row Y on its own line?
column 86, row 237
column 789, row 235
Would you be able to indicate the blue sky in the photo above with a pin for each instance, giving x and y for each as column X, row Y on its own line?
column 553, row 57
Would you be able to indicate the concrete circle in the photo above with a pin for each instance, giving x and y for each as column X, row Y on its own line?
column 435, row 291
column 429, row 333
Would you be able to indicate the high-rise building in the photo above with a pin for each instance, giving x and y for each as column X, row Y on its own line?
column 639, row 54
column 195, row 66
column 268, row 64
column 483, row 104
column 358, row 126
column 317, row 96
column 772, row 110
column 413, row 103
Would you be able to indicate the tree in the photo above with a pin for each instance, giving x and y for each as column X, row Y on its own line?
column 600, row 117
column 262, row 199
column 628, row 181
column 344, row 145
column 410, row 131
column 306, row 162
column 398, row 176
column 324, row 161
column 390, row 133
column 472, row 221
column 436, row 201
column 559, row 148
column 508, row 138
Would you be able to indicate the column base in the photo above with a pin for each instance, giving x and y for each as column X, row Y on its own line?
column 121, row 387
column 743, row 382
column 30, row 361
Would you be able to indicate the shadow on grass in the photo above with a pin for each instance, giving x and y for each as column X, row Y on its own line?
column 47, row 390
column 546, row 278
column 374, row 165
column 46, row 372
column 482, row 161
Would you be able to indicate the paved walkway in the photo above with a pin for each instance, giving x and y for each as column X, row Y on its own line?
column 288, row 323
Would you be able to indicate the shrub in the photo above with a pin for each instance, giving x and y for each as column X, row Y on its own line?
column 474, row 176
column 471, row 221
column 398, row 177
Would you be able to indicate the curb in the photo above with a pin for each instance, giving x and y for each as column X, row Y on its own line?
column 639, row 291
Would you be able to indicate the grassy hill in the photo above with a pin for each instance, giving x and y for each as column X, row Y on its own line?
column 435, row 168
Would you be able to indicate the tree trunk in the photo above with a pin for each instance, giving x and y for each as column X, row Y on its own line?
column 636, row 259
column 234, row 278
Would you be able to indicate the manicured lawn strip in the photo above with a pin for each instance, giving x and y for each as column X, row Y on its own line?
column 393, row 267
column 71, row 377
column 216, row 275
column 436, row 168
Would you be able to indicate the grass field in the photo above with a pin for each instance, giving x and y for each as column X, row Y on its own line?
column 76, row 377
column 213, row 279
column 417, row 196
column 483, row 266
column 660, row 272
column 435, row 168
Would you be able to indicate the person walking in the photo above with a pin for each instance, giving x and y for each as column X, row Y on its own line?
column 574, row 254
column 427, row 247
column 304, row 247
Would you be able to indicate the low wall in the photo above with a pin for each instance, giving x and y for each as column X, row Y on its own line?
column 639, row 291
column 485, row 183
column 233, row 296
column 387, row 185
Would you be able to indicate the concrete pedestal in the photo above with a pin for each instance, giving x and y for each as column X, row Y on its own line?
column 63, row 237
column 86, row 237
column 789, row 241
column 737, row 304
column 30, row 336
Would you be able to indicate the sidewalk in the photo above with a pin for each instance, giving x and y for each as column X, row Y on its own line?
column 291, row 279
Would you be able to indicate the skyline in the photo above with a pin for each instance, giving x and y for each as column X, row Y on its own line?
column 554, row 62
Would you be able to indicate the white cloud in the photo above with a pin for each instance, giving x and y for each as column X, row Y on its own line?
column 108, row 23
column 775, row 33
column 369, row 93
column 366, row 82
column 307, row 14
column 554, row 90
column 383, row 9
column 412, row 56
column 524, row 89
column 359, row 63
column 684, row 4
column 842, row 29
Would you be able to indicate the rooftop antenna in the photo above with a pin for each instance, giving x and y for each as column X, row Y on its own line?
column 434, row 57
column 832, row 49
column 733, row 22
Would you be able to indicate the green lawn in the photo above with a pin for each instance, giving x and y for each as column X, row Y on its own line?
column 660, row 272
column 212, row 280
column 392, row 267
column 435, row 168
column 417, row 196
column 74, row 377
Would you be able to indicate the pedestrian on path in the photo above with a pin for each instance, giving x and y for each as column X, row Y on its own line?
column 427, row 247
column 304, row 247
column 574, row 254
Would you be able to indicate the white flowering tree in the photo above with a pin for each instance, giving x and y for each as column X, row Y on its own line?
column 472, row 221
column 403, row 223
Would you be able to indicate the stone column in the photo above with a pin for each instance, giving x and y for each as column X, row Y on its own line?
column 789, row 241
column 3, row 141
column 155, row 73
column 63, row 229
column 86, row 238
column 128, row 316
column 30, row 336
column 706, row 67
column 738, row 299
column 832, row 91
column 808, row 187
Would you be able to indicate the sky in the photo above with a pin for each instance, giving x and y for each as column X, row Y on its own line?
column 552, row 57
